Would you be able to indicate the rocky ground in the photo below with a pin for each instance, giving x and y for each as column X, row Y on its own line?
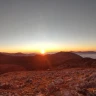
column 66, row 82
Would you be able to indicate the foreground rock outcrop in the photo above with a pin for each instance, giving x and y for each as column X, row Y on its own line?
column 67, row 82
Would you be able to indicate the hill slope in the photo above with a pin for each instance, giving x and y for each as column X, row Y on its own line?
column 60, row 60
column 37, row 62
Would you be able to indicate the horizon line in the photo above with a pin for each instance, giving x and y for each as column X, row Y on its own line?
column 45, row 52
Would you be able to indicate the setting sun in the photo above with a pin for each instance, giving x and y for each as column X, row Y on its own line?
column 42, row 51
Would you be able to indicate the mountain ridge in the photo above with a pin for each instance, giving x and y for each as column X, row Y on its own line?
column 44, row 62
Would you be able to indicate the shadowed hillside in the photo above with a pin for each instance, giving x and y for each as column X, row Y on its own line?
column 35, row 62
column 41, row 62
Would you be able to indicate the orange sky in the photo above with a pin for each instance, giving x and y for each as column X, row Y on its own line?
column 47, row 48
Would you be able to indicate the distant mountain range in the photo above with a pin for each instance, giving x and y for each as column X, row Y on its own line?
column 32, row 54
column 88, row 52
column 18, row 54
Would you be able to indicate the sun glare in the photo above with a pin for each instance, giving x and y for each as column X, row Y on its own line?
column 42, row 51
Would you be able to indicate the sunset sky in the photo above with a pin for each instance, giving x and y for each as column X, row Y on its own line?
column 51, row 25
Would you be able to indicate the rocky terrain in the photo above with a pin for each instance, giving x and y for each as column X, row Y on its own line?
column 60, row 74
column 67, row 82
